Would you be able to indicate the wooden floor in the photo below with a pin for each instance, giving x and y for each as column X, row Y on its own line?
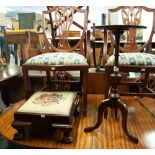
column 108, row 135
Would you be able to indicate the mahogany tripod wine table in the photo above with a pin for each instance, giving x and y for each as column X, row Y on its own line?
column 113, row 101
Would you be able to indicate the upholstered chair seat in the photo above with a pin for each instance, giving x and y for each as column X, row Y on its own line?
column 58, row 58
column 134, row 59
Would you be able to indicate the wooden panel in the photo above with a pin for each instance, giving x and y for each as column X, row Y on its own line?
column 96, row 82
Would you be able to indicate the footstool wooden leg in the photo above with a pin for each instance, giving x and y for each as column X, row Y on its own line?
column 23, row 130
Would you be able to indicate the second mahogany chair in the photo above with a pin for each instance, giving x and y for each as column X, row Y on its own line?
column 135, row 57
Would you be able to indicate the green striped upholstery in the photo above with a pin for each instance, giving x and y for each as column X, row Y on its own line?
column 58, row 58
column 134, row 59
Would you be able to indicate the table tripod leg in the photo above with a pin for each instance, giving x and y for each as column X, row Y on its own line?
column 124, row 112
column 106, row 113
column 116, row 112
column 103, row 106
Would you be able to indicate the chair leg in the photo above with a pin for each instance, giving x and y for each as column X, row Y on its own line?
column 94, row 55
column 84, row 105
column 77, row 108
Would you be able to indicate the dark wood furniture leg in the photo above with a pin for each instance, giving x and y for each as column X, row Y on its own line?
column 67, row 139
column 97, row 44
column 23, row 129
column 113, row 101
column 103, row 107
column 94, row 54
column 100, row 45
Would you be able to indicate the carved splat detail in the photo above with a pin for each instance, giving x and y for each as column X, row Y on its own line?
column 131, row 16
column 61, row 81
column 64, row 20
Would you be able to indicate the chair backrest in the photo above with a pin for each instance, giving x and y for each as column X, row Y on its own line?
column 130, row 16
column 133, row 15
column 63, row 25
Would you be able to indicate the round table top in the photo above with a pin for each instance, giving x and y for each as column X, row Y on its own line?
column 119, row 27
column 9, row 71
